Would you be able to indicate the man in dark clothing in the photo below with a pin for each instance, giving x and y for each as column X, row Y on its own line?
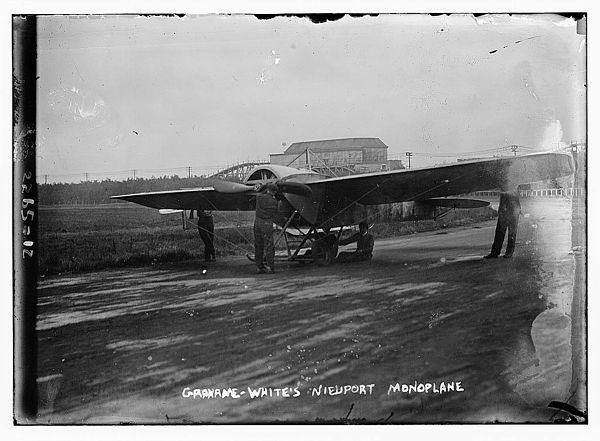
column 206, row 228
column 509, row 210
column 364, row 245
column 266, row 210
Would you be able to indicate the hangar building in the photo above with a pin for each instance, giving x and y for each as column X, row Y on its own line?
column 338, row 156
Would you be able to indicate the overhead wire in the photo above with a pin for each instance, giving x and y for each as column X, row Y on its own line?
column 209, row 168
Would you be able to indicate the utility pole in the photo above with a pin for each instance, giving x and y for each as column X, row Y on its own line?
column 45, row 179
column 86, row 176
column 409, row 154
column 514, row 149
column 134, row 174
column 189, row 172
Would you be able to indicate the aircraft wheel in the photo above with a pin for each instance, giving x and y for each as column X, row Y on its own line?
column 322, row 253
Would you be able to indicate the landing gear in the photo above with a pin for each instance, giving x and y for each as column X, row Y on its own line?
column 323, row 244
column 324, row 250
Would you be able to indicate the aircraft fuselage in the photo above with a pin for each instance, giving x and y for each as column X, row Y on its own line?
column 328, row 211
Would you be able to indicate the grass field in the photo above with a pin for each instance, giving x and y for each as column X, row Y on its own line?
column 86, row 238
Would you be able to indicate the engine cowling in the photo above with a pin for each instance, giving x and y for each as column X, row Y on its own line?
column 272, row 172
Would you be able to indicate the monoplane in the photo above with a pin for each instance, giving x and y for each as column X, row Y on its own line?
column 316, row 208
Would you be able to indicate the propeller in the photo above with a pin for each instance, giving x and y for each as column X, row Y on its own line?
column 231, row 187
column 291, row 187
column 294, row 188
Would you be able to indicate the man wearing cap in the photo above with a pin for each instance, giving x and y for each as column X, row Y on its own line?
column 266, row 210
column 364, row 245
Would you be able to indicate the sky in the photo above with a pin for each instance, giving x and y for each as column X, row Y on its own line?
column 118, row 93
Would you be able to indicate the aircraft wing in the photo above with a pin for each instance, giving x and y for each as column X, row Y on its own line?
column 191, row 199
column 446, row 180
column 372, row 188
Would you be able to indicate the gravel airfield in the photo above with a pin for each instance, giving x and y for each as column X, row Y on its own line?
column 215, row 343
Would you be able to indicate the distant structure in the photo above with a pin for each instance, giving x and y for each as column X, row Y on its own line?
column 237, row 172
column 338, row 157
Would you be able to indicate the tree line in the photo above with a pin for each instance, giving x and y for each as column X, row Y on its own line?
column 99, row 192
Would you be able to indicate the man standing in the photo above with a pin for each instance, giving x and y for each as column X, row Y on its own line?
column 509, row 210
column 206, row 228
column 266, row 210
column 364, row 245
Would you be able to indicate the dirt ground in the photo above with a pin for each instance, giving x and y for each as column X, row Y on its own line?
column 130, row 345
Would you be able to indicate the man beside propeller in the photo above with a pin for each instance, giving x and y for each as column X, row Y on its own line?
column 267, row 198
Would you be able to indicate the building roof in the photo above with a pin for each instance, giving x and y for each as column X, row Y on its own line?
column 335, row 144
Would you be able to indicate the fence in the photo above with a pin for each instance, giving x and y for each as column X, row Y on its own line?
column 545, row 192
column 554, row 192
